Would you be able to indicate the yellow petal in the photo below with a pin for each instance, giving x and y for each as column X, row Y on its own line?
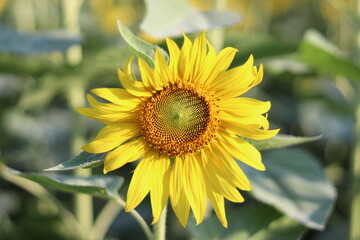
column 110, row 107
column 217, row 201
column 109, row 118
column 225, row 58
column 259, row 76
column 243, row 106
column 162, row 74
column 128, row 152
column 242, row 151
column 110, row 137
column 197, row 57
column 147, row 75
column 255, row 120
column 253, row 79
column 194, row 187
column 228, row 167
column 134, row 87
column 213, row 193
column 115, row 95
column 209, row 63
column 159, row 192
column 238, row 78
column 222, row 63
column 218, row 182
column 247, row 131
column 178, row 197
column 88, row 112
column 174, row 53
column 184, row 68
column 140, row 183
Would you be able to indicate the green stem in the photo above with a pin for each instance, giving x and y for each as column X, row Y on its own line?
column 83, row 204
column 139, row 219
column 104, row 220
column 160, row 226
column 44, row 195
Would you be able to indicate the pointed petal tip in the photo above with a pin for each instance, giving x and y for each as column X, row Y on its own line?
column 127, row 208
column 251, row 59
column 80, row 110
column 224, row 223
column 88, row 148
column 198, row 221
column 105, row 170
column 202, row 35
column 261, row 168
column 183, row 224
column 261, row 67
column 273, row 132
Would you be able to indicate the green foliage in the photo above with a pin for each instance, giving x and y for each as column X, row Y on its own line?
column 259, row 45
column 83, row 160
column 139, row 47
column 26, row 43
column 95, row 185
column 280, row 141
column 295, row 184
column 324, row 56
column 292, row 195
column 249, row 222
column 181, row 16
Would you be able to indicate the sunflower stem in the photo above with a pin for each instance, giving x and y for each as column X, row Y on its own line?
column 139, row 219
column 104, row 220
column 160, row 226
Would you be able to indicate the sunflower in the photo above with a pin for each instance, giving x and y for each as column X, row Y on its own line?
column 183, row 122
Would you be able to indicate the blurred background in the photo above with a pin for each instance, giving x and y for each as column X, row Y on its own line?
column 53, row 51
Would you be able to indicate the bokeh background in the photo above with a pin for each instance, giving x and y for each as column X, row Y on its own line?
column 52, row 52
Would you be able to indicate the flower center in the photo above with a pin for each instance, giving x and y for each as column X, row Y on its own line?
column 179, row 120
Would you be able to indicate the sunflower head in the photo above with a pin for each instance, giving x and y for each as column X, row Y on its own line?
column 178, row 120
column 183, row 121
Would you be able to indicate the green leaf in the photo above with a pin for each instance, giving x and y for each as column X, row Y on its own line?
column 249, row 222
column 83, row 160
column 295, row 184
column 321, row 54
column 290, row 63
column 260, row 45
column 139, row 47
column 280, row 141
column 26, row 43
column 96, row 185
column 169, row 18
